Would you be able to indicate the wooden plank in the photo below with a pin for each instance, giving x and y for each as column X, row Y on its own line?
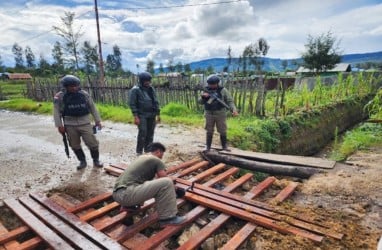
column 99, row 212
column 208, row 172
column 240, row 237
column 191, row 169
column 283, row 159
column 8, row 245
column 166, row 233
column 285, row 193
column 47, row 234
column 89, row 203
column 33, row 243
column 251, row 217
column 251, row 206
column 74, row 221
column 225, row 175
column 113, row 171
column 13, row 234
column 64, row 230
column 185, row 164
column 259, row 188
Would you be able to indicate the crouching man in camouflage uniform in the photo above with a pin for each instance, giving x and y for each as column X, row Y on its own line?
column 137, row 185
column 72, row 109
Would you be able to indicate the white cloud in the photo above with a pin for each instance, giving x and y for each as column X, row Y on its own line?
column 200, row 30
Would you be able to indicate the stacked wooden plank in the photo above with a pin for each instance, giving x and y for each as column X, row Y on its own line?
column 98, row 223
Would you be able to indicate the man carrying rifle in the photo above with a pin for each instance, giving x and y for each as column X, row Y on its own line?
column 216, row 100
column 72, row 109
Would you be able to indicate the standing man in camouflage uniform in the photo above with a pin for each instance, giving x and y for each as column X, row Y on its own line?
column 215, row 112
column 144, row 105
column 72, row 109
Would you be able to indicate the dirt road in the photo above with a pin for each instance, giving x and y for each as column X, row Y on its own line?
column 32, row 156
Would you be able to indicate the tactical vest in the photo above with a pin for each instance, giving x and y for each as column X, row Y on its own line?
column 75, row 104
column 215, row 105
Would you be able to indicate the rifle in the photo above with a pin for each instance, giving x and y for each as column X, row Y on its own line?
column 214, row 96
column 64, row 139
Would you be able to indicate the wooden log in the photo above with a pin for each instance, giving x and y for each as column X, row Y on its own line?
column 270, row 168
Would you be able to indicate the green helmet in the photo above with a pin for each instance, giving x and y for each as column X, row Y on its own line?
column 144, row 77
column 69, row 80
column 213, row 79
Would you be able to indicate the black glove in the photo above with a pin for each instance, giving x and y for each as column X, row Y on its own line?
column 180, row 192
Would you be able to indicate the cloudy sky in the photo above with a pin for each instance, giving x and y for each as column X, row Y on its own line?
column 192, row 30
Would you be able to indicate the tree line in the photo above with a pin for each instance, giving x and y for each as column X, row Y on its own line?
column 70, row 55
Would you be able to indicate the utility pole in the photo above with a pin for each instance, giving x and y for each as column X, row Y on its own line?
column 101, row 69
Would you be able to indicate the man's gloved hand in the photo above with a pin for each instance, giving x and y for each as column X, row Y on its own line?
column 180, row 192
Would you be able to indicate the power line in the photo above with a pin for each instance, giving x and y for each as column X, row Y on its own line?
column 183, row 5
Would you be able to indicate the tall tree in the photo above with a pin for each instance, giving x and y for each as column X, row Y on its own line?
column 229, row 58
column 43, row 66
column 58, row 60
column 71, row 37
column 90, row 57
column 179, row 67
column 322, row 52
column 30, row 58
column 114, row 62
column 18, row 52
column 161, row 69
column 150, row 66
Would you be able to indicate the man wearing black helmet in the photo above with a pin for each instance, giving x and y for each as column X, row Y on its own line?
column 144, row 105
column 72, row 109
column 216, row 99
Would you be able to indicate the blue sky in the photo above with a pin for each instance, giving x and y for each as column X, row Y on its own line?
column 188, row 31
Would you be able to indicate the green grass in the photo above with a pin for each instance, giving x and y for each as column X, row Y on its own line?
column 361, row 138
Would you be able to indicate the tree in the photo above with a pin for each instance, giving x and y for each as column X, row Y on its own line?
column 44, row 68
column 150, row 66
column 161, row 69
column 114, row 62
column 187, row 68
column 284, row 64
column 30, row 58
column 58, row 61
column 253, row 53
column 71, row 37
column 170, row 65
column 18, row 52
column 229, row 59
column 90, row 57
column 179, row 67
column 322, row 53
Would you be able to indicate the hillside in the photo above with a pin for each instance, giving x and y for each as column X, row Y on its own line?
column 275, row 64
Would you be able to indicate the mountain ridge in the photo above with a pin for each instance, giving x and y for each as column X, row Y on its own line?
column 275, row 64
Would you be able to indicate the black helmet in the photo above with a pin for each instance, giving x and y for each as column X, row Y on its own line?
column 69, row 80
column 144, row 77
column 213, row 79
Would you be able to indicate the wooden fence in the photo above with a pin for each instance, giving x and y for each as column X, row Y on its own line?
column 249, row 94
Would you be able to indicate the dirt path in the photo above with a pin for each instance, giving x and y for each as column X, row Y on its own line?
column 32, row 158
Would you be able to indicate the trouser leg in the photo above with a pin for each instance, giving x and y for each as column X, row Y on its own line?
column 150, row 132
column 208, row 141
column 142, row 133
column 161, row 189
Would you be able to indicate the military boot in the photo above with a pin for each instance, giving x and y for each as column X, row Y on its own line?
column 81, row 157
column 223, row 139
column 208, row 141
column 95, row 156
